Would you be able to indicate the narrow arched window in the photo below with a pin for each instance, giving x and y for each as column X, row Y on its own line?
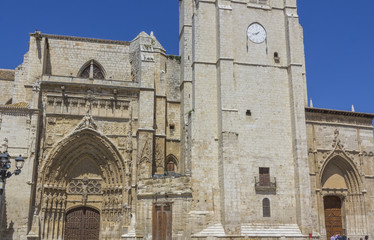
column 171, row 163
column 266, row 207
column 92, row 70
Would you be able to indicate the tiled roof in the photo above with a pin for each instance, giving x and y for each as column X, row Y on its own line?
column 7, row 74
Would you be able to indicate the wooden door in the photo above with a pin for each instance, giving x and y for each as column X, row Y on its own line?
column 333, row 216
column 82, row 224
column 162, row 221
column 264, row 176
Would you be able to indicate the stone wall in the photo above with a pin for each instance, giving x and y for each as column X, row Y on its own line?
column 66, row 56
column 247, row 112
column 6, row 84
column 134, row 107
column 341, row 155
column 19, row 129
column 221, row 111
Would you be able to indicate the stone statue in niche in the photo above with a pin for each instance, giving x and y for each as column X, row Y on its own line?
column 89, row 100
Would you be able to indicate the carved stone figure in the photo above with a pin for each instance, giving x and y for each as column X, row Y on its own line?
column 5, row 145
column 87, row 122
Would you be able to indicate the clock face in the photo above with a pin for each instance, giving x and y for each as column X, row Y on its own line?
column 256, row 33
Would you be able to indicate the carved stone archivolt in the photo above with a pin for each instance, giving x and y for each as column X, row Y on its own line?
column 337, row 150
column 84, row 168
column 343, row 164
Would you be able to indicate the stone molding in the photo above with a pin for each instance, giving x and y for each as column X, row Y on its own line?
column 81, row 39
column 339, row 112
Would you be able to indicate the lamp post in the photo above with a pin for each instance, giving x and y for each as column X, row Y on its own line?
column 5, row 165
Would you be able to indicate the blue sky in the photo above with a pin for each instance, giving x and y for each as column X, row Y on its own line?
column 338, row 37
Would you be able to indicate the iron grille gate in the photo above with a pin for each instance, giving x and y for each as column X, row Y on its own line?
column 82, row 224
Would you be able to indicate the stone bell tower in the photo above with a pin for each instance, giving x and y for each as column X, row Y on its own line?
column 243, row 117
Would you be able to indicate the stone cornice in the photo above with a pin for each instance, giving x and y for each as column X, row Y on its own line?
column 81, row 39
column 339, row 112
column 18, row 110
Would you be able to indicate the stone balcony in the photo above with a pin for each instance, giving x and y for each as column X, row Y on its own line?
column 267, row 186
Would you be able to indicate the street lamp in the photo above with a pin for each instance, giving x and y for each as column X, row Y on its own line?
column 5, row 165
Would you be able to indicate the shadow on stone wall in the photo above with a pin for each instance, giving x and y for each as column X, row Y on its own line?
column 6, row 230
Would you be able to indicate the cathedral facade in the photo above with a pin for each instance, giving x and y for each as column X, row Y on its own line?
column 123, row 141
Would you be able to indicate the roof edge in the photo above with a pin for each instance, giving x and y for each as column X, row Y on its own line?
column 339, row 112
column 82, row 39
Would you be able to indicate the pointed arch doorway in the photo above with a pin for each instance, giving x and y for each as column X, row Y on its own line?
column 342, row 209
column 82, row 224
column 83, row 179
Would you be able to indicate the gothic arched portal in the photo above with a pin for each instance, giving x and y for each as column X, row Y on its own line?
column 83, row 171
column 342, row 198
